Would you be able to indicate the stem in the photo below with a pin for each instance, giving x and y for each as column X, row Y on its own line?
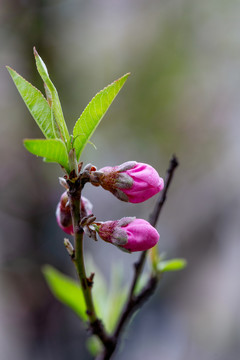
column 86, row 284
column 161, row 200
column 96, row 326
column 78, row 259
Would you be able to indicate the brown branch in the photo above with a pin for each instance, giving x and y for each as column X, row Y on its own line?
column 134, row 302
column 168, row 179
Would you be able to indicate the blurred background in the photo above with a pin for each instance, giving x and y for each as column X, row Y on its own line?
column 182, row 97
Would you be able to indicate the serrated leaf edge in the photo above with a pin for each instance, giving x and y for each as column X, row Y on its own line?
column 10, row 70
column 125, row 76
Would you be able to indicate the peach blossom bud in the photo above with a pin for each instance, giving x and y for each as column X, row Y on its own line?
column 129, row 234
column 133, row 182
column 63, row 212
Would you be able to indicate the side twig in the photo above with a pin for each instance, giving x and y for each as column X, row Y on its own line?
column 139, row 265
column 134, row 302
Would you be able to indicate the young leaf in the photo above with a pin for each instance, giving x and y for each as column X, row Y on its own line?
column 93, row 113
column 53, row 150
column 36, row 103
column 172, row 265
column 66, row 290
column 94, row 345
column 53, row 95
column 141, row 283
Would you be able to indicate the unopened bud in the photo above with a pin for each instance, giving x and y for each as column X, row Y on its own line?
column 63, row 182
column 69, row 247
column 132, row 182
column 129, row 234
column 63, row 212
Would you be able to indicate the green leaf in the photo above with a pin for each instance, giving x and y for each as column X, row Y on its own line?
column 66, row 290
column 53, row 96
column 69, row 292
column 93, row 113
column 172, row 265
column 141, row 283
column 108, row 304
column 94, row 345
column 53, row 150
column 36, row 104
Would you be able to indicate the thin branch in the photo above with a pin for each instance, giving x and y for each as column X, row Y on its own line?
column 134, row 302
column 74, row 195
column 133, row 305
column 153, row 220
column 161, row 200
column 95, row 324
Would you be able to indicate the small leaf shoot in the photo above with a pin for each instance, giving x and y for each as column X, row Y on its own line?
column 93, row 113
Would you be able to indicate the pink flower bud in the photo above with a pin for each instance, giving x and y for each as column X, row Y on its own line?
column 131, row 181
column 63, row 212
column 129, row 234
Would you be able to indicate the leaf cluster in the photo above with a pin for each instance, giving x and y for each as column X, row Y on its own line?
column 59, row 147
column 48, row 114
column 109, row 298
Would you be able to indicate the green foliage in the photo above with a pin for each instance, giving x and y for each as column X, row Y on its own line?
column 108, row 300
column 94, row 345
column 142, row 281
column 53, row 100
column 93, row 113
column 49, row 116
column 36, row 103
column 53, row 150
column 66, row 290
column 70, row 293
column 171, row 265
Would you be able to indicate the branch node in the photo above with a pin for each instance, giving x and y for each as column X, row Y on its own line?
column 69, row 248
column 90, row 280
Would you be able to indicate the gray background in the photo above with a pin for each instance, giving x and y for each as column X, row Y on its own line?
column 182, row 97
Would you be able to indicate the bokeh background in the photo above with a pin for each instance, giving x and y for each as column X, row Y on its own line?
column 183, row 98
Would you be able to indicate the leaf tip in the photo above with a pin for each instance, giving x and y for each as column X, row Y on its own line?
column 25, row 141
column 124, row 77
column 45, row 269
column 9, row 69
column 172, row 265
column 35, row 52
column 27, row 144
